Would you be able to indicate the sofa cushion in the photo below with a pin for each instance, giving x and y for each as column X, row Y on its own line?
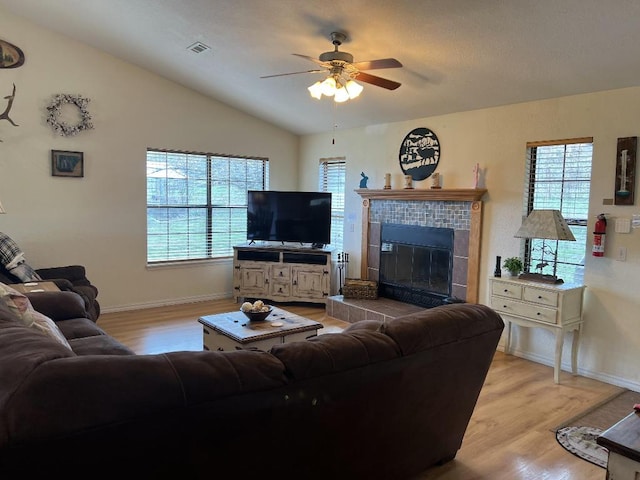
column 334, row 352
column 79, row 328
column 371, row 325
column 23, row 309
column 22, row 350
column 48, row 327
column 98, row 345
column 58, row 305
column 205, row 376
column 442, row 325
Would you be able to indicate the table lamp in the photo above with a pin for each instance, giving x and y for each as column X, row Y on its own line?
column 545, row 225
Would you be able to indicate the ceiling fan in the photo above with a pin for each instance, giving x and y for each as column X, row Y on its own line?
column 342, row 71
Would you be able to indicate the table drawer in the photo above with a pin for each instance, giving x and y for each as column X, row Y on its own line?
column 280, row 273
column 540, row 296
column 280, row 289
column 506, row 290
column 530, row 311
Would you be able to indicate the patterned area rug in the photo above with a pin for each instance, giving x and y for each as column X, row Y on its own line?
column 581, row 441
column 578, row 434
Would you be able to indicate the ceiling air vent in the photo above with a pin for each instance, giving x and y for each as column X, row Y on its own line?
column 198, row 47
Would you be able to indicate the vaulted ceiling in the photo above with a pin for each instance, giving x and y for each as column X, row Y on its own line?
column 457, row 55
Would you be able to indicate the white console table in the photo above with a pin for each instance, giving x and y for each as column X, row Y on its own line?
column 282, row 274
column 554, row 307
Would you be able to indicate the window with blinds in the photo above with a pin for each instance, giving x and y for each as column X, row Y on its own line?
column 197, row 203
column 332, row 179
column 558, row 177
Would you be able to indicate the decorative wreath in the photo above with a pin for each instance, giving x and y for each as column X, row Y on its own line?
column 55, row 109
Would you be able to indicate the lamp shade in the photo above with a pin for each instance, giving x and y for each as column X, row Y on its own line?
column 341, row 95
column 354, row 89
column 329, row 86
column 546, row 224
column 336, row 86
column 316, row 90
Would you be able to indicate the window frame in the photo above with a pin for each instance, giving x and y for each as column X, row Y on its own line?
column 328, row 168
column 577, row 224
column 204, row 201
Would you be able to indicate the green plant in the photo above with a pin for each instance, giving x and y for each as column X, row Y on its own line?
column 513, row 265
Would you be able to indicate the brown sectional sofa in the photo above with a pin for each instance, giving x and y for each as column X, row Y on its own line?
column 378, row 401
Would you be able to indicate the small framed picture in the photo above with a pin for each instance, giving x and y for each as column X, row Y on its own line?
column 67, row 164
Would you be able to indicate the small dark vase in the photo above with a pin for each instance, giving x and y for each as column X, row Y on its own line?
column 498, row 271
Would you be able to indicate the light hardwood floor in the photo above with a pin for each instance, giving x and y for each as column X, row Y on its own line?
column 509, row 437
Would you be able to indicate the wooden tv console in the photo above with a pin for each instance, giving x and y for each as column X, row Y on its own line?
column 282, row 274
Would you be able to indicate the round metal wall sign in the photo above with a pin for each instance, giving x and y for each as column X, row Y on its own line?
column 419, row 153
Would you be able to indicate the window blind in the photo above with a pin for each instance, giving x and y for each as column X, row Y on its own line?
column 558, row 177
column 197, row 203
column 331, row 178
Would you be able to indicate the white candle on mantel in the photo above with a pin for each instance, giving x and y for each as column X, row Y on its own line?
column 476, row 171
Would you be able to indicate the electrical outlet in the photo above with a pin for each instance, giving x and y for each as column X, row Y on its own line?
column 622, row 254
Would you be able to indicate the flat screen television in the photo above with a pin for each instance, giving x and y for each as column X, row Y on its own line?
column 279, row 216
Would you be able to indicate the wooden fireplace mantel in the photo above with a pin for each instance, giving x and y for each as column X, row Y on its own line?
column 435, row 194
column 473, row 195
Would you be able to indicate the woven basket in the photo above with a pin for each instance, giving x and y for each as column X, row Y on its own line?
column 363, row 289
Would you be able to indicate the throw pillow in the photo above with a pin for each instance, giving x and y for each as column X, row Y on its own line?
column 25, row 272
column 13, row 260
column 21, row 306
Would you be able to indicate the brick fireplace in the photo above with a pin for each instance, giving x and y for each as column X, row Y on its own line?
column 456, row 210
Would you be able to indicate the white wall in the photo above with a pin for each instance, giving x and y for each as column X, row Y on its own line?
column 100, row 220
column 496, row 138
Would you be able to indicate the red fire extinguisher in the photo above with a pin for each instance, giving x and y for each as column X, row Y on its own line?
column 599, row 232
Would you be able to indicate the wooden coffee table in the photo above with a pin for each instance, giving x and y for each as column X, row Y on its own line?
column 622, row 440
column 234, row 331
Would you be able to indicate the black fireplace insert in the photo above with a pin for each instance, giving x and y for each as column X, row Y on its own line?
column 416, row 264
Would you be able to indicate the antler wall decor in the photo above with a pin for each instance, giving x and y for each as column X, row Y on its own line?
column 5, row 114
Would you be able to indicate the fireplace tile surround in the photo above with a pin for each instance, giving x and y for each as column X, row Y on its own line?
column 459, row 209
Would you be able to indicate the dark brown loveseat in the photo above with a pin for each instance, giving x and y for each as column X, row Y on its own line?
column 71, row 278
column 378, row 401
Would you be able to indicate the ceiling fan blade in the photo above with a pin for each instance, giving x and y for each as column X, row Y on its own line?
column 314, row 60
column 381, row 63
column 292, row 73
column 378, row 81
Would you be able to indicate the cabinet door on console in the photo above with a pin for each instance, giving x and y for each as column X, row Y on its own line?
column 252, row 280
column 311, row 283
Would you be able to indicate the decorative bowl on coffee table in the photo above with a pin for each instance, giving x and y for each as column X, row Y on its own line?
column 258, row 316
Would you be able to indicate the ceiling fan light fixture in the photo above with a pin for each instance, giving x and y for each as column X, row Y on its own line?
column 316, row 90
column 329, row 86
column 342, row 71
column 336, row 87
column 354, row 89
column 342, row 95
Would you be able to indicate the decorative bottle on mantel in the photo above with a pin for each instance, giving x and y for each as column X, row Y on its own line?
column 387, row 181
column 408, row 182
column 435, row 181
column 498, row 271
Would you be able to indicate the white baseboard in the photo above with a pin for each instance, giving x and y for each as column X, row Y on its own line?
column 165, row 303
column 566, row 368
